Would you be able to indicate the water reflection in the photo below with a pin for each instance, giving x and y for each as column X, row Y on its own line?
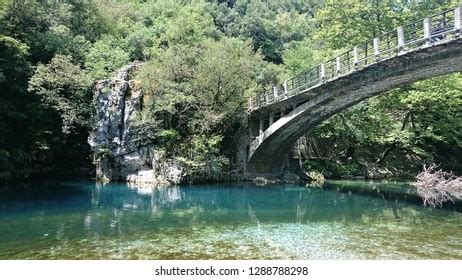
column 78, row 220
column 244, row 204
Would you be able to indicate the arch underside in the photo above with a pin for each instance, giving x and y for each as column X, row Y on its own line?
column 332, row 97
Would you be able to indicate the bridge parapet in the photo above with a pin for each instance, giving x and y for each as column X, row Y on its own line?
column 420, row 34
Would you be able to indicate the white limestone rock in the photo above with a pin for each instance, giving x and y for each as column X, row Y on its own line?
column 118, row 103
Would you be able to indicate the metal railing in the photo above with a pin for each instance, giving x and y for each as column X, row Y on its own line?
column 443, row 26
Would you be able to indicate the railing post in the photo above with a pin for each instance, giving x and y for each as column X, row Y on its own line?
column 250, row 128
column 250, row 103
column 400, row 31
column 338, row 65
column 458, row 20
column 275, row 92
column 271, row 118
column 267, row 98
column 285, row 88
column 322, row 72
column 356, row 57
column 261, row 127
column 427, row 30
column 377, row 49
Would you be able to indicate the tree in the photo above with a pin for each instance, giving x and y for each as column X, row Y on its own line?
column 64, row 87
column 166, row 81
column 197, row 93
column 223, row 80
column 189, row 26
column 14, row 66
column 202, row 59
column 73, row 23
column 270, row 25
column 60, row 40
column 14, row 71
column 105, row 56
column 299, row 56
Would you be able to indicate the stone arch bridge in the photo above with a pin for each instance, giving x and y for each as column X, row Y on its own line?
column 280, row 116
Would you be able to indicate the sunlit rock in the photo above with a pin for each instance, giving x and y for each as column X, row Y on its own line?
column 115, row 140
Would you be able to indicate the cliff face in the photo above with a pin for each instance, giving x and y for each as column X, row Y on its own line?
column 118, row 155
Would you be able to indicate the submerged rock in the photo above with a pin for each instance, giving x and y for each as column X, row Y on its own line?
column 119, row 153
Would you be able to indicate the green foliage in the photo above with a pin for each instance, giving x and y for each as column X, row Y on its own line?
column 202, row 60
column 168, row 138
column 166, row 82
column 104, row 57
column 63, row 86
column 340, row 25
column 14, row 71
column 205, row 159
column 52, row 26
column 223, row 79
column 348, row 23
column 13, row 60
column 270, row 25
column 189, row 26
column 59, row 39
column 140, row 42
column 197, row 93
column 299, row 56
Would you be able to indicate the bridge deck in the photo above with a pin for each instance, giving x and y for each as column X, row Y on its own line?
column 416, row 35
column 313, row 98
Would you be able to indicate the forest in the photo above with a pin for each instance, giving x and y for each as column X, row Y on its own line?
column 200, row 62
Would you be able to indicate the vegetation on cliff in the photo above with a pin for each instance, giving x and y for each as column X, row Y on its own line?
column 202, row 60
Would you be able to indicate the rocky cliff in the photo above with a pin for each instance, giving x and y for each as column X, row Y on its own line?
column 115, row 140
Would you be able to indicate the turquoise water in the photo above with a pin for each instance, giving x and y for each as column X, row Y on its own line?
column 233, row 221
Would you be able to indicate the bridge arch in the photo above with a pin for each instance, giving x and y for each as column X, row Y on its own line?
column 301, row 103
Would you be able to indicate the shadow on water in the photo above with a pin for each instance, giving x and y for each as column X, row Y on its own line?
column 386, row 190
column 25, row 197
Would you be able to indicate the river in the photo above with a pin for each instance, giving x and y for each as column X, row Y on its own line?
column 84, row 220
